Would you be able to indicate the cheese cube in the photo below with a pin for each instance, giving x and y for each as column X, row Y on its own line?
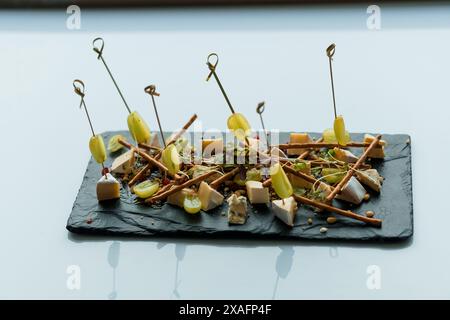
column 123, row 163
column 108, row 188
column 303, row 167
column 209, row 197
column 177, row 199
column 344, row 155
column 257, row 193
column 237, row 211
column 298, row 138
column 285, row 210
column 211, row 147
column 352, row 192
column 375, row 152
column 370, row 178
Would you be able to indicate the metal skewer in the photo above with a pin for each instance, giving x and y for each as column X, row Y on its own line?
column 99, row 51
column 330, row 53
column 259, row 110
column 151, row 90
column 79, row 88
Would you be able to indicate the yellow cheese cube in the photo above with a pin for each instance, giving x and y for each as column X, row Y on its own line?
column 211, row 147
column 298, row 138
column 375, row 152
column 108, row 188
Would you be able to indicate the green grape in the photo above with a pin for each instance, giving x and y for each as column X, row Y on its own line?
column 146, row 188
column 280, row 182
column 329, row 136
column 341, row 135
column 192, row 204
column 113, row 143
column 138, row 128
column 332, row 175
column 97, row 147
column 239, row 125
column 253, row 175
column 171, row 159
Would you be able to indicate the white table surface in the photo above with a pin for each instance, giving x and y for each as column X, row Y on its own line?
column 394, row 80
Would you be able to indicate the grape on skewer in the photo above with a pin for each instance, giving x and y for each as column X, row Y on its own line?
column 137, row 126
column 108, row 187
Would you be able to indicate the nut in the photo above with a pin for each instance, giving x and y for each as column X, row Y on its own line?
column 370, row 213
column 366, row 196
column 331, row 220
column 323, row 230
column 310, row 221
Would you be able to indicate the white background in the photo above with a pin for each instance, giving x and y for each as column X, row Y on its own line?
column 394, row 80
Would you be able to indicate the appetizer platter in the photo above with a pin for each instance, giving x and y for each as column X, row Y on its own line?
column 329, row 185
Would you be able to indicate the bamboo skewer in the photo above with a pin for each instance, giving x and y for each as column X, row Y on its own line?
column 346, row 213
column 179, row 187
column 352, row 170
column 216, row 183
column 148, row 158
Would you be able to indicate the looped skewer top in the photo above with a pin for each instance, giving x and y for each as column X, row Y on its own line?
column 212, row 66
column 260, row 108
column 330, row 50
column 79, row 90
column 99, row 50
column 151, row 90
column 330, row 53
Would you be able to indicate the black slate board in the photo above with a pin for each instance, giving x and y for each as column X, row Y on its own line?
column 394, row 206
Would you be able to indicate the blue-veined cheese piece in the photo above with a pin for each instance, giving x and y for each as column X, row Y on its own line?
column 237, row 210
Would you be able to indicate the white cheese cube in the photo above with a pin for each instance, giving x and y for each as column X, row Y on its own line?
column 209, row 197
column 344, row 155
column 108, row 188
column 370, row 178
column 257, row 193
column 352, row 192
column 285, row 210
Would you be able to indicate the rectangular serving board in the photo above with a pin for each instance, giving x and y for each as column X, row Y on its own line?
column 393, row 205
